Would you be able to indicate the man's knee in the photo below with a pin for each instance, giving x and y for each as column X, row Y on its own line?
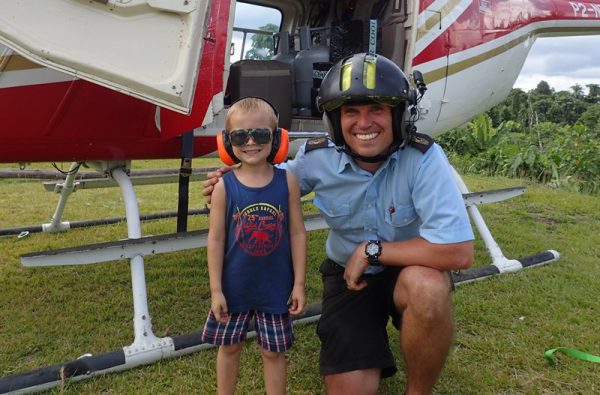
column 359, row 382
column 424, row 290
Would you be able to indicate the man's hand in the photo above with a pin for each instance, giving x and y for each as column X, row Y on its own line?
column 212, row 178
column 355, row 267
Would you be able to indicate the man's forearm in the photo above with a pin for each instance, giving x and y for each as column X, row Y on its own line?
column 420, row 252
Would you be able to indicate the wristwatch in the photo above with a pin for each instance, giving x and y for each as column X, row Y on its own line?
column 373, row 251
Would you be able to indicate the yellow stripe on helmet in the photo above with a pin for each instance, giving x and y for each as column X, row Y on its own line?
column 369, row 72
column 346, row 76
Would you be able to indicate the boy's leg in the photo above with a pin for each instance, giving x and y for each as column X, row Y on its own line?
column 228, row 365
column 275, row 336
column 274, row 369
column 228, row 336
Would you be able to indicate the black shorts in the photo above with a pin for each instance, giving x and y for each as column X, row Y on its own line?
column 353, row 324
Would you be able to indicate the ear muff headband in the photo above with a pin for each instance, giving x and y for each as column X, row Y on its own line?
column 280, row 145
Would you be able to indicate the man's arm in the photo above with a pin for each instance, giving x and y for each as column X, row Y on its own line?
column 412, row 252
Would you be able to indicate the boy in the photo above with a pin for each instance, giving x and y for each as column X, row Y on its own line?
column 256, row 250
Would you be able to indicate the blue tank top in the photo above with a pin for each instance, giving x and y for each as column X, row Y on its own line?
column 257, row 268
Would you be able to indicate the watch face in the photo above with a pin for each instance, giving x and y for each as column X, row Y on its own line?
column 372, row 249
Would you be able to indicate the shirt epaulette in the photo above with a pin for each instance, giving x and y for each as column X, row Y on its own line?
column 420, row 141
column 316, row 143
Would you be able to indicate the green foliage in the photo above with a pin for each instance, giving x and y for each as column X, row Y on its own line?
column 514, row 108
column 263, row 44
column 546, row 136
column 543, row 88
column 593, row 93
column 542, row 104
column 591, row 119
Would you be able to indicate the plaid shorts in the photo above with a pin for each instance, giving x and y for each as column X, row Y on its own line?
column 275, row 331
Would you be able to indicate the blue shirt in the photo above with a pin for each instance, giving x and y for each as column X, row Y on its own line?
column 412, row 194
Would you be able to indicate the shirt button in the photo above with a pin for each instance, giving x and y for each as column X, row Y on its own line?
column 405, row 220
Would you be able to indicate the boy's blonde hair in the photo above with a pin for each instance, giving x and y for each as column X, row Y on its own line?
column 251, row 104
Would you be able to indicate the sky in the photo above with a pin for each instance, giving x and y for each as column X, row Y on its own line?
column 562, row 62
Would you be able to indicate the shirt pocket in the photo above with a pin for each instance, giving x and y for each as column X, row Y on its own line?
column 336, row 213
column 400, row 216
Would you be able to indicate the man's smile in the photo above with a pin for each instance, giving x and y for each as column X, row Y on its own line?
column 366, row 136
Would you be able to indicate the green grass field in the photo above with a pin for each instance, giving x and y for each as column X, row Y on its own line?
column 504, row 324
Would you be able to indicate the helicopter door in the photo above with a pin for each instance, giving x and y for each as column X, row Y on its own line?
column 146, row 48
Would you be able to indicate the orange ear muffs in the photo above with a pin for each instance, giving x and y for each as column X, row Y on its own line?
column 224, row 149
column 280, row 146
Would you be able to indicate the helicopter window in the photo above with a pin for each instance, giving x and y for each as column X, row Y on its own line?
column 253, row 30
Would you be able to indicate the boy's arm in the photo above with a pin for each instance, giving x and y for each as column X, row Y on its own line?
column 298, row 245
column 216, row 250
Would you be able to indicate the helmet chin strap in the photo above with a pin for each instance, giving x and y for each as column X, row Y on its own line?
column 370, row 159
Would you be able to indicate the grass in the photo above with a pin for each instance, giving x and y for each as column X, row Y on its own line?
column 504, row 324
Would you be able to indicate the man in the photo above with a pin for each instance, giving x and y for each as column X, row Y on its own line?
column 398, row 225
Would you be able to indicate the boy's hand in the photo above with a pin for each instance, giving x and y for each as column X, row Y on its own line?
column 297, row 300
column 212, row 178
column 218, row 305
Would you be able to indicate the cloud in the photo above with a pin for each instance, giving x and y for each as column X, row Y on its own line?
column 562, row 62
column 253, row 16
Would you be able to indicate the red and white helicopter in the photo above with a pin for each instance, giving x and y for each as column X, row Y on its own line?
column 109, row 81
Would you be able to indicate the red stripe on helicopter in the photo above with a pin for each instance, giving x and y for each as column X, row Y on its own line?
column 484, row 21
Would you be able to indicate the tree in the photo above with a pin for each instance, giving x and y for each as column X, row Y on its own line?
column 564, row 108
column 262, row 44
column 591, row 119
column 577, row 90
column 593, row 95
column 513, row 108
column 543, row 88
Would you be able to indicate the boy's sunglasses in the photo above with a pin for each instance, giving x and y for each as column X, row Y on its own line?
column 240, row 137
